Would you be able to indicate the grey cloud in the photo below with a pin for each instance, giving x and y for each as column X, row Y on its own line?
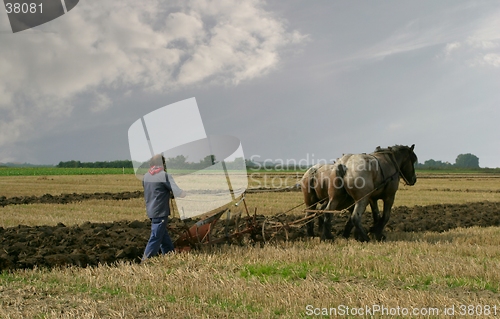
column 108, row 45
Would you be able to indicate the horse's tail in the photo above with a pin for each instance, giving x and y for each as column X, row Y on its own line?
column 313, row 179
column 308, row 181
column 341, row 170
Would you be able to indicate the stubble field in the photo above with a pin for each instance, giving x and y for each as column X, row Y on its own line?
column 441, row 253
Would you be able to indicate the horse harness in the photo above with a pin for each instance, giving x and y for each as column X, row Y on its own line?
column 394, row 162
column 383, row 184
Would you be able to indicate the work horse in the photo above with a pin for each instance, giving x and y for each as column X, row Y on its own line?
column 353, row 182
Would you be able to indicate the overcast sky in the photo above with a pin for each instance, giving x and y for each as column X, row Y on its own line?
column 291, row 79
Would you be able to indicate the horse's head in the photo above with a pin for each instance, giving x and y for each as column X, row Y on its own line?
column 407, row 166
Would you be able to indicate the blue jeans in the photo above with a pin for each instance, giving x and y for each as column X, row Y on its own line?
column 159, row 239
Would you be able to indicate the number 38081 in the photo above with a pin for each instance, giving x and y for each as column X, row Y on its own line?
column 23, row 8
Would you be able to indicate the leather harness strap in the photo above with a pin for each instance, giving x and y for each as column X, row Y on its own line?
column 395, row 163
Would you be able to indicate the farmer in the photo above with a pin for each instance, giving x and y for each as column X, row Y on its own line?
column 157, row 187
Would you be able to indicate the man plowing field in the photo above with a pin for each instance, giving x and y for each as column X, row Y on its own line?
column 158, row 186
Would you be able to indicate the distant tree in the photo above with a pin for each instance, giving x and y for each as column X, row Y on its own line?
column 237, row 163
column 251, row 165
column 207, row 161
column 69, row 164
column 432, row 164
column 467, row 161
column 113, row 164
column 177, row 162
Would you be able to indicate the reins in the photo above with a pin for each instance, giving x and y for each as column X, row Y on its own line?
column 393, row 159
column 343, row 211
column 395, row 163
column 383, row 184
column 387, row 180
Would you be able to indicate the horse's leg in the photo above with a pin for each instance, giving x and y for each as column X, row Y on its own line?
column 310, row 200
column 321, row 221
column 349, row 224
column 385, row 218
column 310, row 225
column 375, row 214
column 356, row 216
column 327, row 226
column 327, row 220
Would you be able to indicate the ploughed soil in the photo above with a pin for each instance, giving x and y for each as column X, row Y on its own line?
column 91, row 244
column 67, row 198
column 74, row 197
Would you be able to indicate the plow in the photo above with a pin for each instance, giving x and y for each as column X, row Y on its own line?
column 236, row 225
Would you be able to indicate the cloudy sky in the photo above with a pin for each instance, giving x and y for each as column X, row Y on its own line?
column 291, row 79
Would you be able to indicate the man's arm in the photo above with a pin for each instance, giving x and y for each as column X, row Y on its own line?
column 175, row 189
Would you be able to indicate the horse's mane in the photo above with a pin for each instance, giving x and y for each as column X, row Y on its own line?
column 395, row 149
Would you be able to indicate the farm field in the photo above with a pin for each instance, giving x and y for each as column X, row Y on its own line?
column 441, row 252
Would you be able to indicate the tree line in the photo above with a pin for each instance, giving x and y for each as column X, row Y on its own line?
column 112, row 164
column 462, row 161
column 180, row 162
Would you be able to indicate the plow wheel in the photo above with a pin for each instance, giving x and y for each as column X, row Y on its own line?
column 274, row 230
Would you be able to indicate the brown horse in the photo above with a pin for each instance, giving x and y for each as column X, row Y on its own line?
column 357, row 180
column 315, row 185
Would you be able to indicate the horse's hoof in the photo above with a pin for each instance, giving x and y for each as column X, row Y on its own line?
column 329, row 237
column 362, row 238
